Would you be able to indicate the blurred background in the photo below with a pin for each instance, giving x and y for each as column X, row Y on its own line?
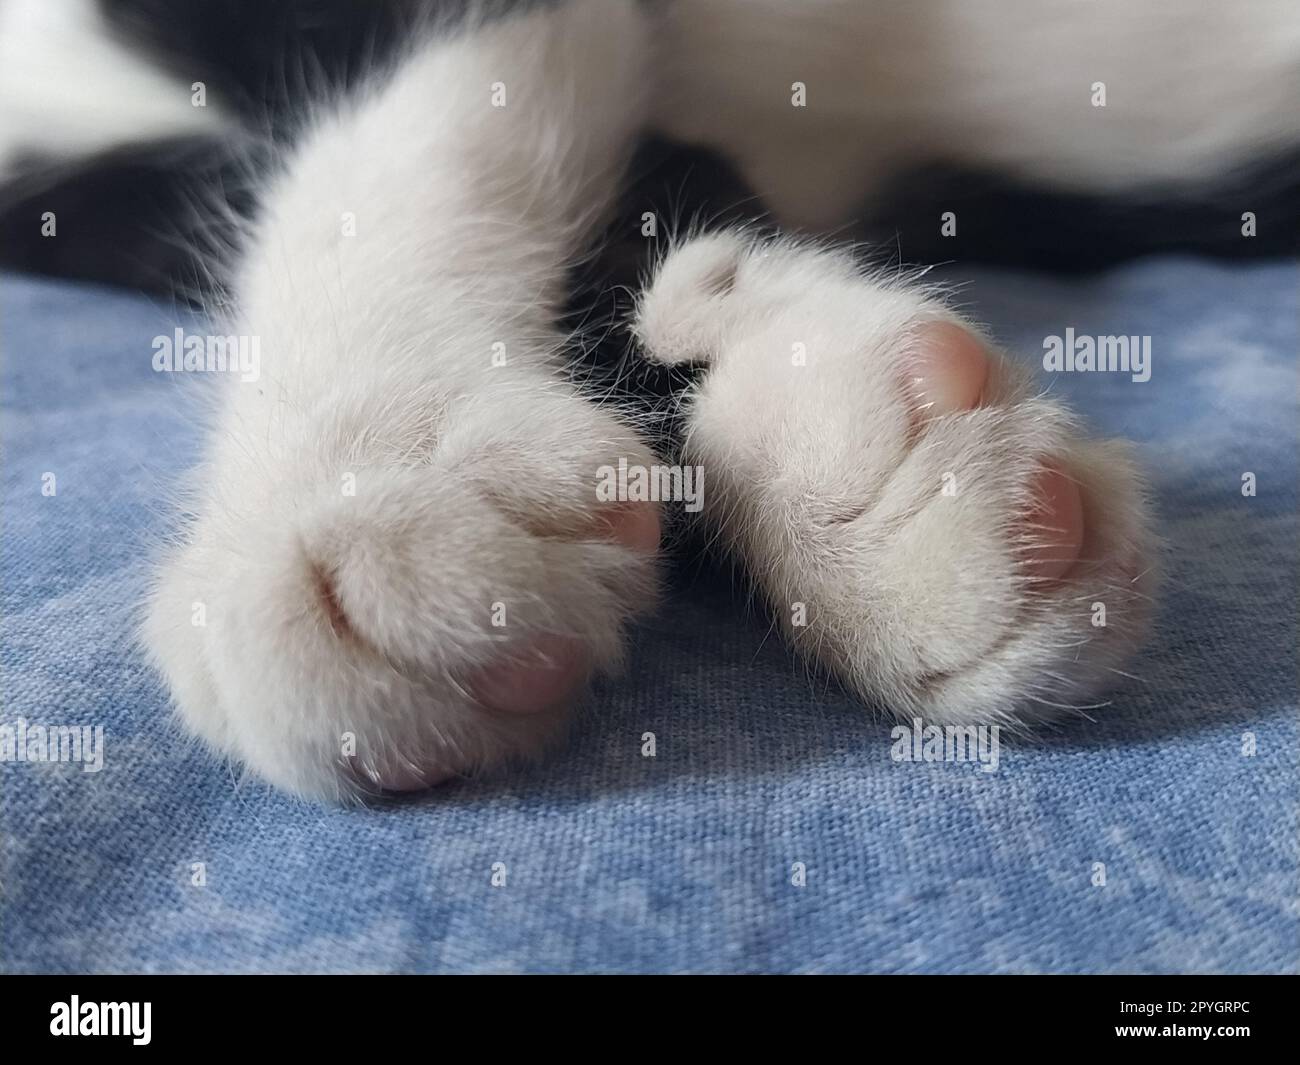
column 143, row 210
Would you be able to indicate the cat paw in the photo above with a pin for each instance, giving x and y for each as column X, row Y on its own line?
column 396, row 596
column 923, row 522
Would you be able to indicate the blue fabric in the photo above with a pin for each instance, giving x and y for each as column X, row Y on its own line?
column 615, row 862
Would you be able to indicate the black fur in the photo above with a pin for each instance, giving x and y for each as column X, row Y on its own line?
column 1012, row 224
column 121, row 214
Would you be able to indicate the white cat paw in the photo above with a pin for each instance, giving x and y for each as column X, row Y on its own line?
column 921, row 520
column 371, row 600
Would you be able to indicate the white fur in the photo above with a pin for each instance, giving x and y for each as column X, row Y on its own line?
column 67, row 87
column 819, row 479
column 473, row 481
column 1193, row 89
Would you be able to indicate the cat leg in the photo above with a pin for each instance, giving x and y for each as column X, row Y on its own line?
column 396, row 566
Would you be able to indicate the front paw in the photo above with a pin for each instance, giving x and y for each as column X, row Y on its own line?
column 416, row 604
column 925, row 524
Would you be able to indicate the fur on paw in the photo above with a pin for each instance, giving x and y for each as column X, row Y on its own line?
column 922, row 521
column 365, row 610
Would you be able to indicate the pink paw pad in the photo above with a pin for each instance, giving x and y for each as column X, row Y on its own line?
column 947, row 370
column 551, row 668
column 1055, row 525
column 634, row 525
column 543, row 676
column 946, row 374
column 546, row 672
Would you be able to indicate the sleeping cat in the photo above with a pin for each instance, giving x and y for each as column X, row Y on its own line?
column 398, row 565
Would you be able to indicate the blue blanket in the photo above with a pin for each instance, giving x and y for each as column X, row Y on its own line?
column 771, row 830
